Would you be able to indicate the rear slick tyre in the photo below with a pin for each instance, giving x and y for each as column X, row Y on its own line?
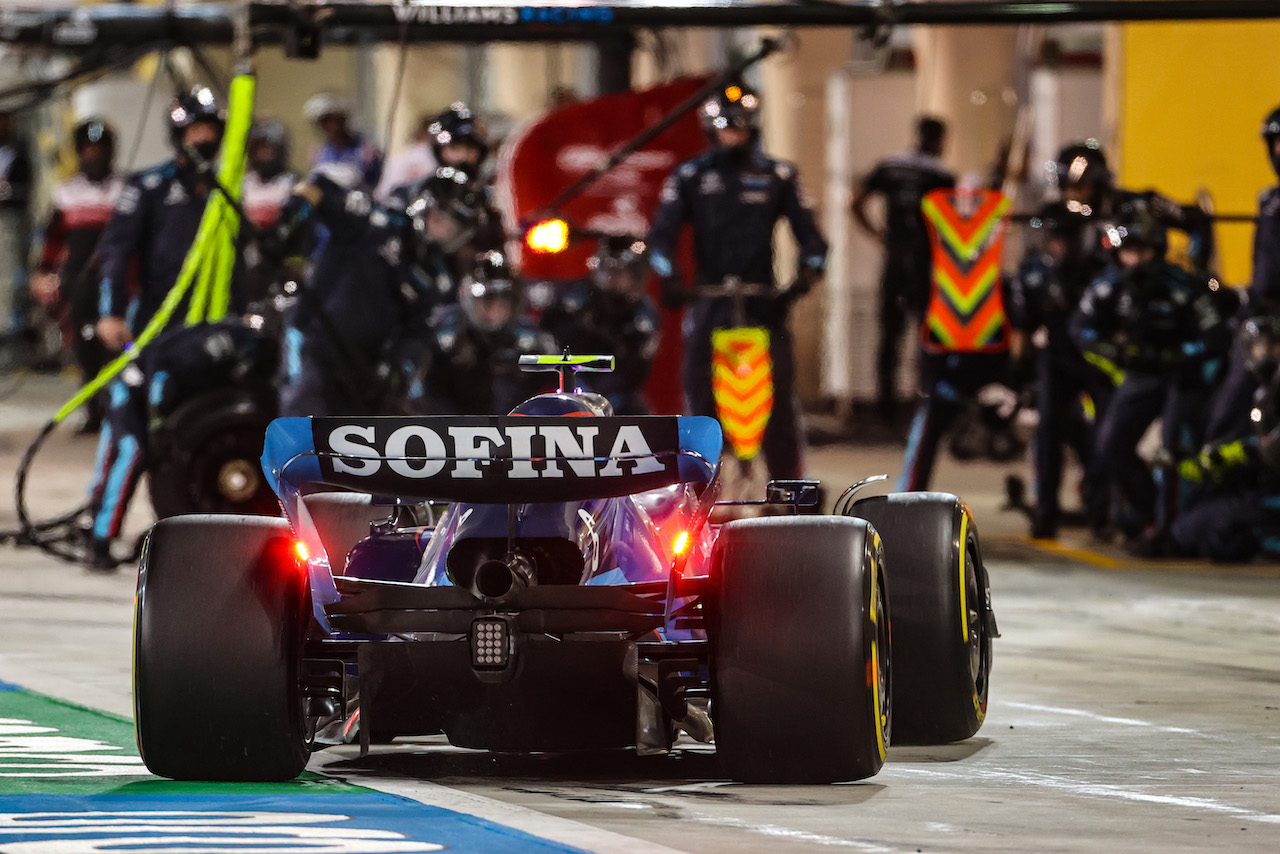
column 942, row 626
column 221, row 617
column 800, row 653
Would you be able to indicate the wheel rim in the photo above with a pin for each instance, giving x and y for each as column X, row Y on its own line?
column 238, row 480
column 975, row 602
column 224, row 476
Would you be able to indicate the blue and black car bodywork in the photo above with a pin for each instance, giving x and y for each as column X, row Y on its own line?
column 554, row 579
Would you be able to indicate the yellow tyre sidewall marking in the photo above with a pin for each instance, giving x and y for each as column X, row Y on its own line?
column 876, row 551
column 964, row 593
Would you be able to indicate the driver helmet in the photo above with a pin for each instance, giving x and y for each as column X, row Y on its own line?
column 565, row 403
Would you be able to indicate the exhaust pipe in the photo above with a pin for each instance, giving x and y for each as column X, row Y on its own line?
column 496, row 581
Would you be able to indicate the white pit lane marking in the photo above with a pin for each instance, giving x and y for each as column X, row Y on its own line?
column 1105, row 719
column 31, row 751
column 172, row 832
column 551, row 828
column 1096, row 790
column 790, row 834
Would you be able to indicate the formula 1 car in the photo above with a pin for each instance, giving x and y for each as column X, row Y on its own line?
column 554, row 580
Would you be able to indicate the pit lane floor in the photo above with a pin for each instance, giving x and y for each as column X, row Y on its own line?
column 1133, row 710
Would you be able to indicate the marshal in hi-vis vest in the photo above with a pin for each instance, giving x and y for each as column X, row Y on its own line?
column 965, row 313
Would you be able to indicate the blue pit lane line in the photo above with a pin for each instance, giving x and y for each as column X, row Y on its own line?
column 363, row 823
column 71, row 782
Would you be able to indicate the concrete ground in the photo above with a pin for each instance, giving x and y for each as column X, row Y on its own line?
column 1134, row 706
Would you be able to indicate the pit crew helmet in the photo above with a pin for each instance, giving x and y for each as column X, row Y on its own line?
column 1270, row 133
column 1081, row 164
column 618, row 265
column 448, row 211
column 189, row 108
column 273, row 133
column 457, row 125
column 325, row 104
column 490, row 293
column 734, row 106
column 197, row 106
column 1135, row 224
column 1260, row 344
column 95, row 131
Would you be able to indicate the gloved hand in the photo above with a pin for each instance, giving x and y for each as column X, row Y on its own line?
column 1214, row 462
column 673, row 292
column 806, row 278
column 1192, row 470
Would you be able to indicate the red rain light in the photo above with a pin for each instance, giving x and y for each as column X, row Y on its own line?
column 682, row 543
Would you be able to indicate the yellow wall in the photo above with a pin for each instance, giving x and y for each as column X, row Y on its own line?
column 1192, row 102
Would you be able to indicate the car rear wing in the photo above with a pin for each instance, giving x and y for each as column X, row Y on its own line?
column 511, row 459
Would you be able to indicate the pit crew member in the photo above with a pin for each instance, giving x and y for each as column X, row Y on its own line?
column 902, row 180
column 475, row 345
column 609, row 313
column 68, row 273
column 733, row 195
column 1162, row 327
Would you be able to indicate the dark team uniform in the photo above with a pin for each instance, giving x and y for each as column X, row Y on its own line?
column 154, row 225
column 178, row 362
column 15, row 226
column 446, row 271
column 151, row 231
column 733, row 202
column 589, row 320
column 369, row 286
column 470, row 372
column 263, row 202
column 903, row 180
column 1041, row 299
column 1161, row 326
column 82, row 209
column 1230, row 409
column 1240, row 514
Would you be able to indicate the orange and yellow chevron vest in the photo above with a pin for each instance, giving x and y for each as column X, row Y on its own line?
column 742, row 382
column 965, row 313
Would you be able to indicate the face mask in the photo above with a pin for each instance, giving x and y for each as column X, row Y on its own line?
column 268, row 169
column 203, row 154
column 96, row 169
